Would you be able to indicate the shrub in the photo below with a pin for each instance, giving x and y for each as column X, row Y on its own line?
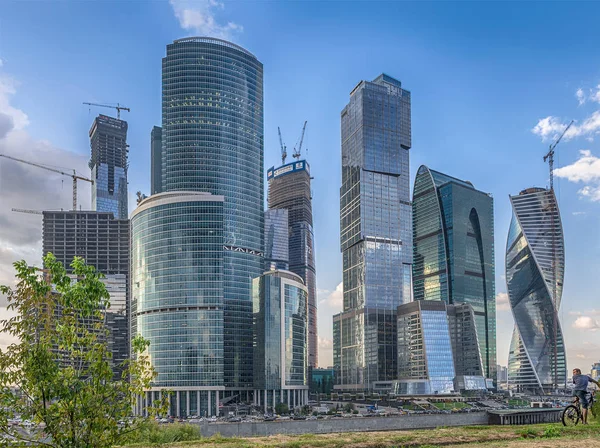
column 551, row 431
column 527, row 433
column 153, row 433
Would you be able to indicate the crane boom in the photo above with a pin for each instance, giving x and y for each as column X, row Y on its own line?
column 118, row 107
column 74, row 176
column 31, row 212
column 283, row 148
column 296, row 154
column 550, row 156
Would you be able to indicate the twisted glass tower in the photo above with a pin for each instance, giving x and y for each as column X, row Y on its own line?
column 212, row 141
column 535, row 266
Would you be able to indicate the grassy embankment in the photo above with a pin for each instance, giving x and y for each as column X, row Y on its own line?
column 538, row 436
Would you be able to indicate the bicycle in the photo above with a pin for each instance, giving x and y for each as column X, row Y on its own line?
column 571, row 415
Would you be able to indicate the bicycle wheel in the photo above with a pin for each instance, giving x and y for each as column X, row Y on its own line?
column 570, row 416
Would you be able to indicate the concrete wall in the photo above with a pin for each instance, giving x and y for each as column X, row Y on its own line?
column 343, row 425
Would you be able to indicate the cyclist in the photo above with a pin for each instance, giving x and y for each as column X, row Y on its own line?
column 581, row 383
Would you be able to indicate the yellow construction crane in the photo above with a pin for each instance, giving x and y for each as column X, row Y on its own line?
column 118, row 107
column 74, row 176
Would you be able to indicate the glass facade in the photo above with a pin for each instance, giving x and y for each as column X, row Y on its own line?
column 289, row 189
column 108, row 140
column 276, row 239
column 177, row 290
column 376, row 233
column 280, row 308
column 212, row 140
column 156, row 160
column 438, row 350
column 535, row 266
column 453, row 253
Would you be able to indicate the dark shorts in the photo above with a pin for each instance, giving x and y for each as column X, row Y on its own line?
column 582, row 395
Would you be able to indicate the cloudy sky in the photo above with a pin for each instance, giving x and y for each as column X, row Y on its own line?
column 492, row 84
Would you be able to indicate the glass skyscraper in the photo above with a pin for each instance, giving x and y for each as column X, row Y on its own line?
column 535, row 267
column 108, row 139
column 212, row 141
column 177, row 297
column 277, row 255
column 289, row 188
column 280, row 302
column 453, row 260
column 376, row 232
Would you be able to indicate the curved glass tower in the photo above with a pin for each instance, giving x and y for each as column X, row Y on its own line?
column 177, row 296
column 535, row 267
column 453, row 256
column 212, row 141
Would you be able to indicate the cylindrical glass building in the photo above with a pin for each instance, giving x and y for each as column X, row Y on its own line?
column 177, row 297
column 212, row 141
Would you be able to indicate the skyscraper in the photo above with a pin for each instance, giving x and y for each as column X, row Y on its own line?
column 277, row 254
column 453, row 259
column 108, row 139
column 280, row 340
column 156, row 160
column 212, row 133
column 177, row 297
column 535, row 267
column 103, row 242
column 376, row 232
column 289, row 188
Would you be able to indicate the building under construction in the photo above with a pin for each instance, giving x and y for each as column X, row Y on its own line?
column 103, row 242
column 108, row 139
column 289, row 188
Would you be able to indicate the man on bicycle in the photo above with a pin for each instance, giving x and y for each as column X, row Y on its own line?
column 581, row 383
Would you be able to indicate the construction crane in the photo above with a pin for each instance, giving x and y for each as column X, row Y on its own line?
column 550, row 156
column 296, row 153
column 74, row 176
column 550, row 159
column 283, row 148
column 118, row 107
column 31, row 212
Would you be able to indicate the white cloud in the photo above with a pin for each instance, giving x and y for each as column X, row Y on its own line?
column 579, row 213
column 580, row 95
column 199, row 17
column 333, row 299
column 550, row 128
column 502, row 302
column 325, row 344
column 586, row 323
column 580, row 356
column 8, row 87
column 5, row 338
column 586, row 170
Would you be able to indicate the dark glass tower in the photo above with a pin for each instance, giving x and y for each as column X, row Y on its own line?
column 212, row 134
column 453, row 261
column 156, row 160
column 376, row 234
column 535, row 269
column 289, row 188
column 277, row 254
column 108, row 139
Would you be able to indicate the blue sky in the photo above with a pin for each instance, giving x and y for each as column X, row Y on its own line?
column 482, row 76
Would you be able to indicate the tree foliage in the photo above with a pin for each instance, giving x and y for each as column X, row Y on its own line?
column 59, row 375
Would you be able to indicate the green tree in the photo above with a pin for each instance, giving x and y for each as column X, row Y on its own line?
column 348, row 407
column 282, row 409
column 59, row 374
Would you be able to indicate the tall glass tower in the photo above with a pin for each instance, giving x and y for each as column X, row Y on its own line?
column 535, row 268
column 108, row 139
column 212, row 141
column 376, row 232
column 289, row 188
column 453, row 258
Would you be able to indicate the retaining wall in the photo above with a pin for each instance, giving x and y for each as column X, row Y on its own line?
column 402, row 422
